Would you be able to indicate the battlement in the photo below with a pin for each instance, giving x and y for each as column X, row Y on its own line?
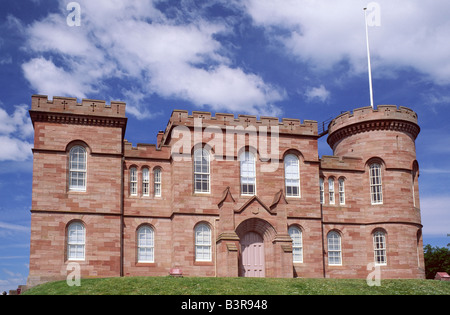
column 385, row 117
column 221, row 120
column 146, row 151
column 70, row 105
column 382, row 112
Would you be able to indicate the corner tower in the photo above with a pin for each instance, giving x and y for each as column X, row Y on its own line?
column 76, row 200
column 382, row 193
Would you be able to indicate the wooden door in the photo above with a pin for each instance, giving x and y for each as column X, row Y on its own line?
column 252, row 255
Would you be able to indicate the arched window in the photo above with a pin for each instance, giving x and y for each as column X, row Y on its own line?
column 146, row 244
column 341, row 191
column 376, row 191
column 331, row 190
column 203, row 242
column 379, row 247
column 77, row 169
column 201, row 171
column 292, row 176
column 415, row 185
column 133, row 181
column 334, row 248
column 248, row 173
column 297, row 244
column 322, row 190
column 76, row 241
column 157, row 181
column 145, row 182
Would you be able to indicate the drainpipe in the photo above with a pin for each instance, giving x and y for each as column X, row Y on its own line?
column 323, row 243
column 215, row 248
column 122, row 223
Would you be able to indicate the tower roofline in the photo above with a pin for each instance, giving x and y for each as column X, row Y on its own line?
column 384, row 117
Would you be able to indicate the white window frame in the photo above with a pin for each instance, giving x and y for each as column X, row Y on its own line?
column 379, row 248
column 341, row 191
column 145, row 182
column 297, row 244
column 133, row 181
column 247, row 173
column 322, row 190
column 292, row 175
column 76, row 242
column 202, row 164
column 77, row 168
column 331, row 191
column 376, row 186
column 146, row 244
column 157, row 182
column 334, row 249
column 203, row 248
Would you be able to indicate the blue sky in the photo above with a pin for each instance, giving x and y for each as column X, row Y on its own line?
column 286, row 58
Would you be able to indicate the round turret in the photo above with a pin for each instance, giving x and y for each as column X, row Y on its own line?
column 387, row 133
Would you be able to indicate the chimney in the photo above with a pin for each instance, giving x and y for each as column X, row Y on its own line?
column 159, row 138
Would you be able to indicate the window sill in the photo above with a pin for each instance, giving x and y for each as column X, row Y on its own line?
column 203, row 263
column 201, row 194
column 145, row 264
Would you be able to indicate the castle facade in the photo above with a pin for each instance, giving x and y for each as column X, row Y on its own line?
column 223, row 196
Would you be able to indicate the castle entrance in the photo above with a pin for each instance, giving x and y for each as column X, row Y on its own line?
column 252, row 256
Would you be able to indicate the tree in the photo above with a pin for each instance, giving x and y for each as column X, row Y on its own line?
column 437, row 259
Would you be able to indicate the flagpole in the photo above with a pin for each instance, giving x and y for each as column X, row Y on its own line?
column 368, row 58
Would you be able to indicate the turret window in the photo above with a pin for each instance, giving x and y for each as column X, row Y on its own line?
column 77, row 169
column 376, row 192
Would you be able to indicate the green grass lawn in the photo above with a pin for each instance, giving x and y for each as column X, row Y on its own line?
column 240, row 286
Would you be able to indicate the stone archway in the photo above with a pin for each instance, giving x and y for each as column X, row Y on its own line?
column 256, row 248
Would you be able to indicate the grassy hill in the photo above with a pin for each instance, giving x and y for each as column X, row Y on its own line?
column 240, row 286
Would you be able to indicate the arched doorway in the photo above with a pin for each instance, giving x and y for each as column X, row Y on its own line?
column 252, row 255
column 256, row 256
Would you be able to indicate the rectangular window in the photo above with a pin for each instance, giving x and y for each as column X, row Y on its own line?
column 201, row 171
column 77, row 169
column 322, row 191
column 376, row 193
column 331, row 190
column 157, row 183
column 203, row 243
column 379, row 245
column 146, row 245
column 297, row 244
column 248, row 174
column 334, row 249
column 341, row 192
column 133, row 181
column 292, row 176
column 76, row 242
column 145, row 182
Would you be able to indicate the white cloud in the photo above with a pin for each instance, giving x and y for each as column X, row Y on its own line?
column 323, row 33
column 45, row 77
column 317, row 94
column 15, row 131
column 135, row 42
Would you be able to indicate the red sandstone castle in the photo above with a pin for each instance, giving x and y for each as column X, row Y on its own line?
column 223, row 196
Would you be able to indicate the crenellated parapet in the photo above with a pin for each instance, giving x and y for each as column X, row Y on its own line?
column 384, row 117
column 146, row 151
column 222, row 120
column 70, row 105
column 67, row 110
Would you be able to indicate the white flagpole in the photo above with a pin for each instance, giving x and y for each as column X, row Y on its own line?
column 368, row 58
